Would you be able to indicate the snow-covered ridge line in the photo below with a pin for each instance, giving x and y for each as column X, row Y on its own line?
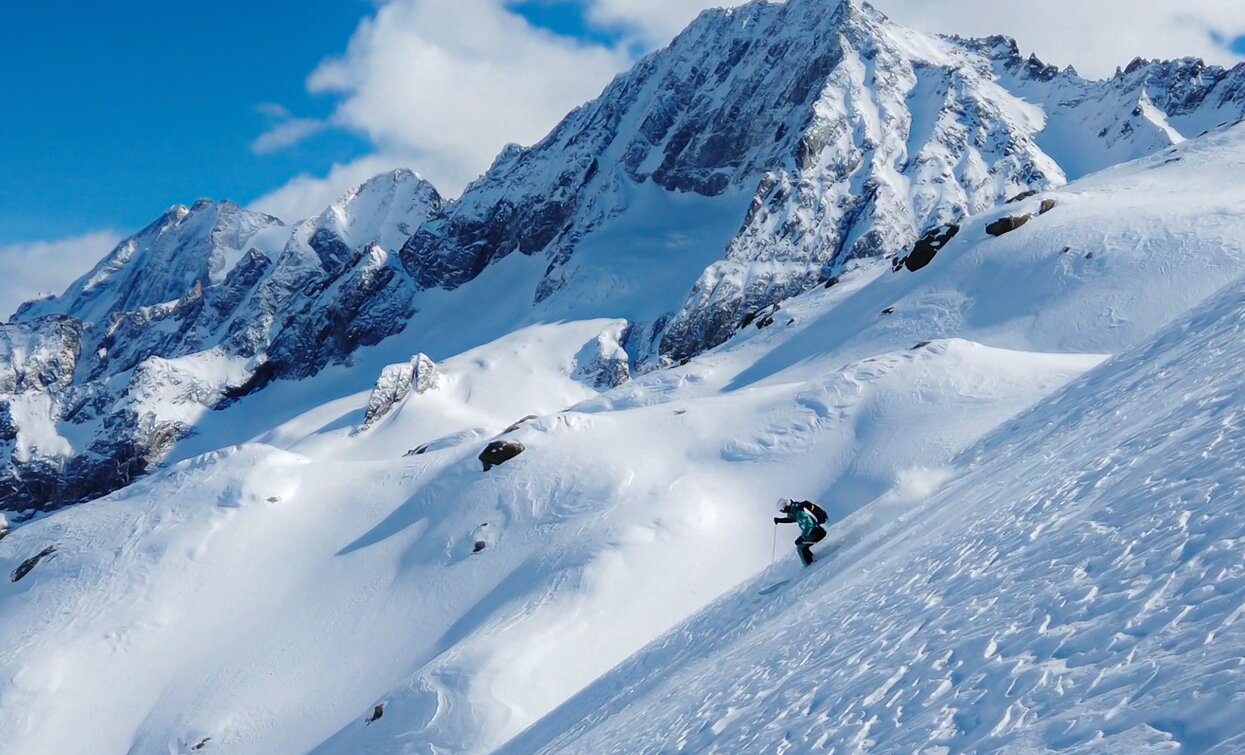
column 207, row 303
column 769, row 147
column 296, row 584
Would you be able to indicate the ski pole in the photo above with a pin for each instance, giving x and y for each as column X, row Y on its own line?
column 773, row 551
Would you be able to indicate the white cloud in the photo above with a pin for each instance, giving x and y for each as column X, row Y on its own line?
column 286, row 133
column 1096, row 36
column 453, row 81
column 48, row 267
column 652, row 23
column 307, row 195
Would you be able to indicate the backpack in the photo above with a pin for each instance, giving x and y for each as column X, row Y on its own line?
column 818, row 512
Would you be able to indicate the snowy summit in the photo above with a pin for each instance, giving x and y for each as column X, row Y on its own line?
column 499, row 473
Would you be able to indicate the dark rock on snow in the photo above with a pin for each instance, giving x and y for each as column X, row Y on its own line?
column 1007, row 224
column 928, row 246
column 499, row 452
column 377, row 712
column 31, row 563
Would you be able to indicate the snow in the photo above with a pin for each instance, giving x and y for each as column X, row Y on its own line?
column 1077, row 587
column 1028, row 448
column 39, row 436
column 287, row 575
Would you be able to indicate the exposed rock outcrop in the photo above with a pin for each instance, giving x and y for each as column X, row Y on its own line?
column 29, row 564
column 927, row 247
column 1007, row 224
column 396, row 383
column 499, row 452
column 603, row 363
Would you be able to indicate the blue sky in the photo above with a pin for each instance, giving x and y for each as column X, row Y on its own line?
column 122, row 109
column 114, row 111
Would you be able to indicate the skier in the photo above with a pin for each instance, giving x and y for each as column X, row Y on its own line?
column 810, row 517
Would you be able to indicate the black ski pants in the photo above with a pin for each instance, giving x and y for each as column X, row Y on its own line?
column 804, row 543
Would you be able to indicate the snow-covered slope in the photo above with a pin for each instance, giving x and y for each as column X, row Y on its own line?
column 1076, row 587
column 269, row 596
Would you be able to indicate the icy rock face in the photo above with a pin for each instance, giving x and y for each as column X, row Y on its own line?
column 396, row 383
column 39, row 356
column 1146, row 107
column 855, row 136
column 603, row 363
column 207, row 304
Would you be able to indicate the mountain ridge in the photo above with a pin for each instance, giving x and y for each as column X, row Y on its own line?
column 768, row 147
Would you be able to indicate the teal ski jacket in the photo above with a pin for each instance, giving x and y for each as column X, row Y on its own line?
column 801, row 516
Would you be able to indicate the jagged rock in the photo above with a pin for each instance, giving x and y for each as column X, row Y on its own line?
column 396, row 383
column 41, row 355
column 377, row 712
column 762, row 319
column 4, row 526
column 1007, row 224
column 202, row 744
column 928, row 246
column 30, row 563
column 1047, row 205
column 1022, row 196
column 888, row 311
column 499, row 452
column 603, row 363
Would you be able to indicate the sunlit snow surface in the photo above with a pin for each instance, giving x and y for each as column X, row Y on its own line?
column 998, row 581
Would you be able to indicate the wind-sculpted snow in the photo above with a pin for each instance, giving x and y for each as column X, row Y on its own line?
column 1078, row 588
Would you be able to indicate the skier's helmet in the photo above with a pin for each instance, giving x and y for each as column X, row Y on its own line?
column 784, row 504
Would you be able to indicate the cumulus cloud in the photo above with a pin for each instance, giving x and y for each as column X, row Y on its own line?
column 1096, row 37
column 40, row 268
column 451, row 82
